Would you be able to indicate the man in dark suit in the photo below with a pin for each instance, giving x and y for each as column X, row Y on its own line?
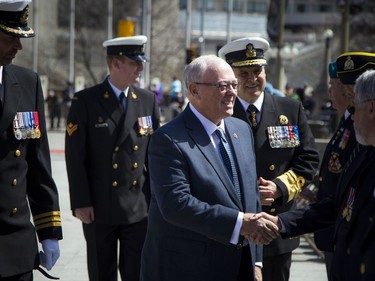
column 336, row 154
column 200, row 210
column 108, row 130
column 287, row 158
column 26, row 184
column 351, row 209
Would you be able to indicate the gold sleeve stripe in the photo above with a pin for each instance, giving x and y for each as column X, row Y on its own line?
column 293, row 183
column 48, row 214
column 46, row 220
column 51, row 224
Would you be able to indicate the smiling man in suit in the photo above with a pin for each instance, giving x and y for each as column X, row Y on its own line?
column 204, row 187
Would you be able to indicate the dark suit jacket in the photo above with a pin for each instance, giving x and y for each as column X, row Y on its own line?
column 106, row 153
column 194, row 207
column 354, row 241
column 25, row 173
column 271, row 163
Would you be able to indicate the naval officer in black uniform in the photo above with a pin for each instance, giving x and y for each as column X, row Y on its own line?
column 286, row 154
column 26, row 184
column 108, row 130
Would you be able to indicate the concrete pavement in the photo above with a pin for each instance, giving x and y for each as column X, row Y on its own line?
column 71, row 266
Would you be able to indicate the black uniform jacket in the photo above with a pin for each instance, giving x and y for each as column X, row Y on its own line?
column 290, row 168
column 354, row 238
column 106, row 152
column 334, row 159
column 25, row 177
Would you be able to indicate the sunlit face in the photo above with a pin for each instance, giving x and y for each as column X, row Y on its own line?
column 252, row 81
column 340, row 101
column 364, row 121
column 9, row 46
column 211, row 101
column 130, row 70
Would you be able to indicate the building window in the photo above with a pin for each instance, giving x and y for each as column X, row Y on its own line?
column 257, row 7
column 210, row 5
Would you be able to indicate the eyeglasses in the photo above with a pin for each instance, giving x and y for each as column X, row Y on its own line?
column 222, row 86
column 351, row 109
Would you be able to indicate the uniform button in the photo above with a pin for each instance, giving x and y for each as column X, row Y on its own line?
column 272, row 210
column 14, row 182
column 114, row 184
column 134, row 183
column 320, row 179
column 17, row 153
column 370, row 219
column 272, row 167
column 135, row 147
column 135, row 165
column 239, row 246
column 362, row 268
column 117, row 148
column 115, row 166
column 348, row 251
column 14, row 211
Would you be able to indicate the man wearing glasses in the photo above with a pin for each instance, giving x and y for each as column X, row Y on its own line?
column 203, row 187
column 287, row 158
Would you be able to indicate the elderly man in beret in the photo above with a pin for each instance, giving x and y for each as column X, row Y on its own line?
column 26, row 184
column 287, row 158
column 335, row 156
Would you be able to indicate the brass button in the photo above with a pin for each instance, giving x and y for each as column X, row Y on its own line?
column 115, row 166
column 272, row 210
column 320, row 179
column 135, row 147
column 134, row 183
column 272, row 167
column 362, row 268
column 14, row 211
column 135, row 165
column 17, row 153
column 114, row 184
column 239, row 246
column 117, row 148
column 14, row 182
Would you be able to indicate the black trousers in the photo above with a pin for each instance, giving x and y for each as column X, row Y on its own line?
column 277, row 268
column 28, row 276
column 246, row 269
column 104, row 241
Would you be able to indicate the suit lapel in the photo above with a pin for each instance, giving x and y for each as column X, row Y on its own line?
column 203, row 142
column 12, row 98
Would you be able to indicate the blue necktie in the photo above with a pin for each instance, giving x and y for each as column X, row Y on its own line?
column 228, row 160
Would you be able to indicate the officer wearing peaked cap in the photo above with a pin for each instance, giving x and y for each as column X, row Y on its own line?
column 27, row 188
column 108, row 129
column 287, row 155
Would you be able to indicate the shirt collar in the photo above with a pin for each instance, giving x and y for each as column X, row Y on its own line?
column 209, row 127
column 258, row 103
column 116, row 90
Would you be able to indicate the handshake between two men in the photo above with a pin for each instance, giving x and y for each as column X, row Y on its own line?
column 260, row 228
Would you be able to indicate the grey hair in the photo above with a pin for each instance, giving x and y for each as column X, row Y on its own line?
column 364, row 87
column 195, row 70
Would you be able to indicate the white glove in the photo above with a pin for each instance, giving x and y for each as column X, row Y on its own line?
column 51, row 253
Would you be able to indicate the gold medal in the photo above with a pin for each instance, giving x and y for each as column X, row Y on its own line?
column 37, row 133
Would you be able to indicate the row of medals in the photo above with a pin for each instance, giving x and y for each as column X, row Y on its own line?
column 26, row 125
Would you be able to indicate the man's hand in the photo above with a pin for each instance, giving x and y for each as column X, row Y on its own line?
column 86, row 215
column 257, row 229
column 50, row 253
column 268, row 192
column 258, row 274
